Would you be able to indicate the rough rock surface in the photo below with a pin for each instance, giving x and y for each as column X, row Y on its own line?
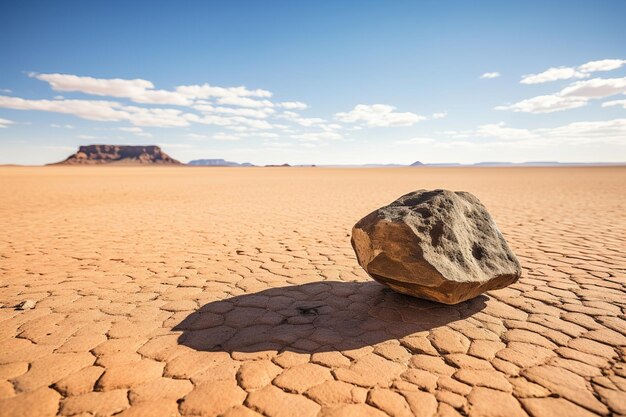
column 439, row 245
column 121, row 154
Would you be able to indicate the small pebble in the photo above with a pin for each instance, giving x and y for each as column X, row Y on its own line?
column 25, row 305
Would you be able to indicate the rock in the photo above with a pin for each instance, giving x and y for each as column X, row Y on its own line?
column 25, row 305
column 119, row 154
column 439, row 245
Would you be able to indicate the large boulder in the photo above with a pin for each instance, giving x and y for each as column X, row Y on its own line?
column 439, row 245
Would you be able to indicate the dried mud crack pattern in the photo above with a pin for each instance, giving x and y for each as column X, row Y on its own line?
column 170, row 291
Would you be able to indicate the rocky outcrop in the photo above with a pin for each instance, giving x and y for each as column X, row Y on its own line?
column 438, row 245
column 119, row 154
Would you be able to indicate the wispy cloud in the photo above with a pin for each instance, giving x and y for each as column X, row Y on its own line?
column 584, row 132
column 240, row 109
column 378, row 115
column 566, row 73
column 5, row 123
column 576, row 94
column 613, row 103
column 137, row 90
column 490, row 75
column 293, row 105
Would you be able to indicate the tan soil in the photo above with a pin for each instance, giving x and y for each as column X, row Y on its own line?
column 192, row 291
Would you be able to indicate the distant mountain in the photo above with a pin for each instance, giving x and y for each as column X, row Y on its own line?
column 280, row 166
column 491, row 164
column 416, row 164
column 444, row 164
column 119, row 154
column 218, row 163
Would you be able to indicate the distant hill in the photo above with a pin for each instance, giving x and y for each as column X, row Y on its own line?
column 280, row 166
column 119, row 154
column 218, row 163
column 416, row 164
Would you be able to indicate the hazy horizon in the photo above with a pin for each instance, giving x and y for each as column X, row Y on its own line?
column 328, row 84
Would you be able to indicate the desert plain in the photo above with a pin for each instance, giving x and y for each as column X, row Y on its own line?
column 167, row 291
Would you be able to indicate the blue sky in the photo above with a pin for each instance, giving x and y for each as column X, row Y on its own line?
column 316, row 82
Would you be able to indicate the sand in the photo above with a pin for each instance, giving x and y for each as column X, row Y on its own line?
column 234, row 291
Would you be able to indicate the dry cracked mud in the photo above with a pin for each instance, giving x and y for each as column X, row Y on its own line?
column 235, row 292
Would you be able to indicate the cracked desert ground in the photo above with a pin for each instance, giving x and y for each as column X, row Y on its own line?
column 235, row 292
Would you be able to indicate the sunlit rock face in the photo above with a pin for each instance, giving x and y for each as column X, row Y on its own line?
column 439, row 245
column 120, row 154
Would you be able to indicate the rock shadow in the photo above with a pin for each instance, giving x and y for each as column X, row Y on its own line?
column 315, row 317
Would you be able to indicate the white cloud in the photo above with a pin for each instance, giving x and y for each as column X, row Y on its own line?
column 137, row 90
column 566, row 73
column 5, row 123
column 595, row 88
column 216, row 120
column 244, row 102
column 439, row 115
column 602, row 65
column 100, row 110
column 245, row 112
column 614, row 103
column 156, row 117
column 302, row 121
column 85, row 109
column 139, row 116
column 5, row 91
column 331, row 126
column 552, row 74
column 67, row 126
column 143, row 91
column 293, row 105
column 490, row 130
column 211, row 91
column 239, row 109
column 606, row 131
column 545, row 104
column 378, row 115
column 490, row 75
column 576, row 94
